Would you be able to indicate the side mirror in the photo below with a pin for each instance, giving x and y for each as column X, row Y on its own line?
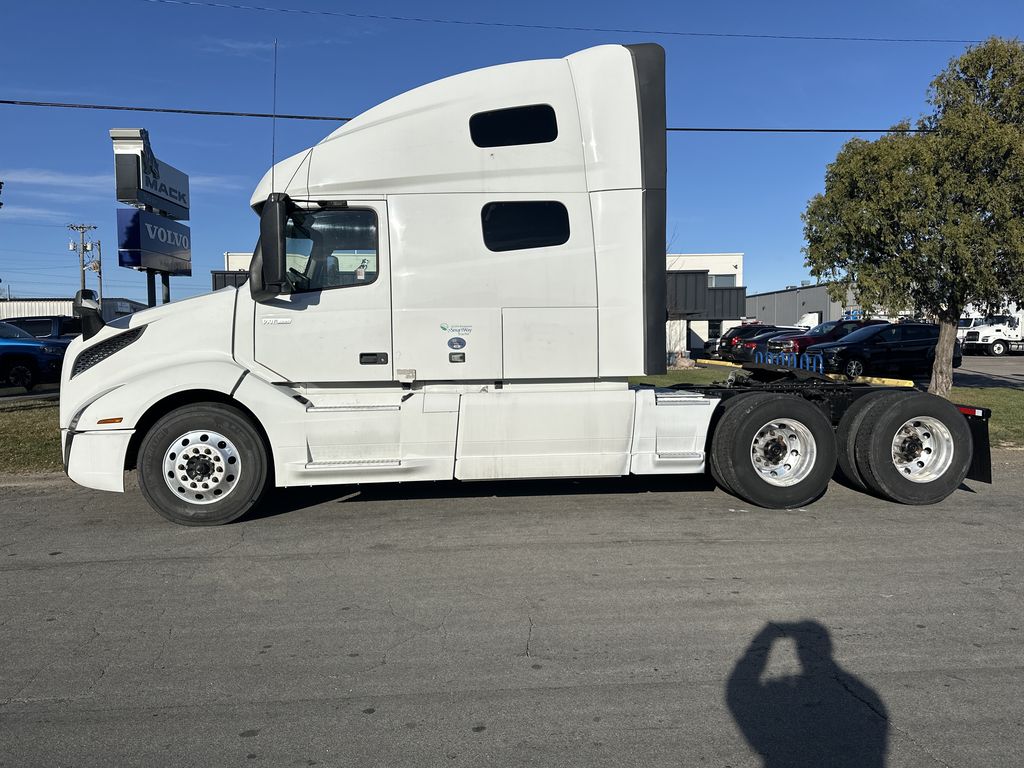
column 87, row 307
column 273, row 218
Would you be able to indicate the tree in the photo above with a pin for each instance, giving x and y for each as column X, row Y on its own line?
column 931, row 222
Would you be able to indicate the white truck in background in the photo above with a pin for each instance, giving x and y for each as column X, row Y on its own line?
column 458, row 284
column 995, row 335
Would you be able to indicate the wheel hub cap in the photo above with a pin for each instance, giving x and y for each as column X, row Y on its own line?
column 201, row 467
column 783, row 452
column 922, row 449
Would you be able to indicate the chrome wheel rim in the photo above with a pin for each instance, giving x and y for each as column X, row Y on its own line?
column 201, row 467
column 783, row 452
column 922, row 449
column 854, row 368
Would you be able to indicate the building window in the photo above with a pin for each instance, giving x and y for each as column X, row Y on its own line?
column 721, row 281
column 533, row 124
column 516, row 226
column 714, row 329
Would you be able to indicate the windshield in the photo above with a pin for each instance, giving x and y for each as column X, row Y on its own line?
column 863, row 334
column 965, row 322
column 8, row 331
column 822, row 329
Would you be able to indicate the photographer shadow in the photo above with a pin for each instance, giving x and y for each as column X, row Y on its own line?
column 823, row 716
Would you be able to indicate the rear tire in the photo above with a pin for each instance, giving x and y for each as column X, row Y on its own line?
column 850, row 427
column 713, row 468
column 203, row 464
column 776, row 451
column 915, row 449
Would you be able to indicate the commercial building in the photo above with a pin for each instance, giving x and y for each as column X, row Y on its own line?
column 705, row 298
column 804, row 304
column 112, row 308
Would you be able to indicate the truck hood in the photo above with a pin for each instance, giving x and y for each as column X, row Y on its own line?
column 218, row 301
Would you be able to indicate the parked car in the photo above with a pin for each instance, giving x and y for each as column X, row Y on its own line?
column 876, row 350
column 26, row 361
column 734, row 336
column 49, row 326
column 747, row 350
column 833, row 330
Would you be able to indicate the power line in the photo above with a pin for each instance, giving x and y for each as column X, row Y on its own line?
column 222, row 113
column 553, row 27
column 169, row 110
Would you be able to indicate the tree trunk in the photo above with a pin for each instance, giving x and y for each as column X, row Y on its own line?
column 942, row 367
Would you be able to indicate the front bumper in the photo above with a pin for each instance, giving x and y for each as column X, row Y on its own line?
column 96, row 459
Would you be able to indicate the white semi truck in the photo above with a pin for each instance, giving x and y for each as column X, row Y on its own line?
column 459, row 283
column 996, row 335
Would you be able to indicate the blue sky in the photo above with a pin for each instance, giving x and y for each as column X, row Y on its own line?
column 727, row 192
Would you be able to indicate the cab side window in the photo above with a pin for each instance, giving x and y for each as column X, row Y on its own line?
column 331, row 249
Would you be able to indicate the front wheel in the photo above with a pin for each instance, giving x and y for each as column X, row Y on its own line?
column 998, row 348
column 21, row 374
column 203, row 464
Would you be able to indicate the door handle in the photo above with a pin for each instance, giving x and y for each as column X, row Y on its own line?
column 373, row 358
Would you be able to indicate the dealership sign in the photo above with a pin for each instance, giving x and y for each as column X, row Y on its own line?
column 148, row 241
column 144, row 181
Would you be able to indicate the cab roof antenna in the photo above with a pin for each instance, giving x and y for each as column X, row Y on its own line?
column 273, row 125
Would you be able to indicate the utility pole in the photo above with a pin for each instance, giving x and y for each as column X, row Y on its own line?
column 96, row 265
column 82, row 247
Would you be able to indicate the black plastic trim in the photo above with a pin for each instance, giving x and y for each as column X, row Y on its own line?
column 97, row 353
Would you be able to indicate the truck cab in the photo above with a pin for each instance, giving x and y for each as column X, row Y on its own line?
column 996, row 335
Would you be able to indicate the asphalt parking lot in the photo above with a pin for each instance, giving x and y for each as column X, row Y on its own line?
column 561, row 623
column 986, row 371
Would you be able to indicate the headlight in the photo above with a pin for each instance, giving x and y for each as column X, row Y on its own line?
column 985, row 338
column 834, row 350
column 53, row 350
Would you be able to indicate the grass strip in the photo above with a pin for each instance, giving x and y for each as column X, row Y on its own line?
column 30, row 438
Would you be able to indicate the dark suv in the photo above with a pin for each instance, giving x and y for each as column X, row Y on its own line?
column 822, row 333
column 876, row 350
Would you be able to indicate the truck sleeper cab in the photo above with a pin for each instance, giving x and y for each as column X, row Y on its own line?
column 458, row 284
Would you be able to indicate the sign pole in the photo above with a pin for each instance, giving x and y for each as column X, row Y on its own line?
column 165, row 280
column 150, row 288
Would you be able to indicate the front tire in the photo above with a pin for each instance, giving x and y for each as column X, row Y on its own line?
column 203, row 464
column 21, row 373
column 998, row 348
column 775, row 451
column 915, row 449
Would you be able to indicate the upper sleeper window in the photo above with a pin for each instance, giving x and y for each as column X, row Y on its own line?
column 532, row 124
column 515, row 226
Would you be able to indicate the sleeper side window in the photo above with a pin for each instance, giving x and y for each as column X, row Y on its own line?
column 331, row 249
column 532, row 124
column 515, row 226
